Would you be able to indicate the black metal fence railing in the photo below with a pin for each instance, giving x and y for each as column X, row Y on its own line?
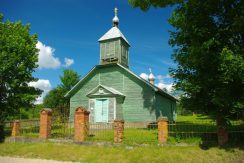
column 8, row 128
column 30, row 128
column 100, row 132
column 62, row 129
column 203, row 132
column 134, row 133
column 140, row 133
column 192, row 133
column 236, row 131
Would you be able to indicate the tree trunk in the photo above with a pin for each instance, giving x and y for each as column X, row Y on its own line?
column 222, row 132
column 2, row 132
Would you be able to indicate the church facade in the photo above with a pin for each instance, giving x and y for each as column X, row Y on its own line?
column 111, row 91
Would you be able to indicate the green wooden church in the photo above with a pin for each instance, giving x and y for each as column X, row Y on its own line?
column 111, row 91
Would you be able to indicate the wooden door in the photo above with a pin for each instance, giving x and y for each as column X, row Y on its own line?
column 101, row 110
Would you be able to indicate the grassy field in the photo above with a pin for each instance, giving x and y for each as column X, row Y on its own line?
column 82, row 153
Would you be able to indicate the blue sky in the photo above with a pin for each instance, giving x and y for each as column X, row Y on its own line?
column 70, row 29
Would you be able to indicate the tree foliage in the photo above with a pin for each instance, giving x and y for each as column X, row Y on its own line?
column 208, row 43
column 55, row 98
column 69, row 79
column 146, row 4
column 18, row 59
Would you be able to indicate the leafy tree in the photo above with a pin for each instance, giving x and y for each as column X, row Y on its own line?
column 55, row 98
column 69, row 79
column 18, row 57
column 209, row 49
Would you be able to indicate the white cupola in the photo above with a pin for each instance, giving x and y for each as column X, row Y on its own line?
column 151, row 77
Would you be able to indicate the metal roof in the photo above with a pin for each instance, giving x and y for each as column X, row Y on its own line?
column 114, row 32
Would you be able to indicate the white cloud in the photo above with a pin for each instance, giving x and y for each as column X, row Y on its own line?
column 68, row 62
column 162, row 85
column 162, row 77
column 163, row 81
column 44, row 85
column 46, row 58
column 144, row 76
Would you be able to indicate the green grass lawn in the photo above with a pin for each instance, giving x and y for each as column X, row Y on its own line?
column 82, row 153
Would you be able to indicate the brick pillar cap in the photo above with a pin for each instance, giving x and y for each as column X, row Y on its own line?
column 16, row 121
column 163, row 119
column 46, row 110
column 81, row 109
column 119, row 120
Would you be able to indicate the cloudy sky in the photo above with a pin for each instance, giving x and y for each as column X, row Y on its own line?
column 68, row 33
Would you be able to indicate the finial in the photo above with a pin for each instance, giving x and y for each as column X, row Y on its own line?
column 150, row 70
column 115, row 11
column 115, row 19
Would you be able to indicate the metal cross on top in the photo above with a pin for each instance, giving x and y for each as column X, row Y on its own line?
column 115, row 11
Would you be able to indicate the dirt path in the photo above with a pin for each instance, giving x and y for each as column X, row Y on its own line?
column 26, row 160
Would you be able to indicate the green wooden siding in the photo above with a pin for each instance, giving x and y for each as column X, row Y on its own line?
column 80, row 99
column 165, row 107
column 139, row 100
column 114, row 51
column 110, row 49
column 141, row 103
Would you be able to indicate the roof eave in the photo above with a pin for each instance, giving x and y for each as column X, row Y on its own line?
column 68, row 94
column 127, row 42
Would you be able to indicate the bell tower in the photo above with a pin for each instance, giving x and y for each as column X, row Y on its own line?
column 114, row 47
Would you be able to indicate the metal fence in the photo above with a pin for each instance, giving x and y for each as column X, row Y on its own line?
column 192, row 132
column 100, row 132
column 134, row 133
column 30, row 128
column 8, row 128
column 62, row 129
column 203, row 132
column 236, row 131
column 140, row 133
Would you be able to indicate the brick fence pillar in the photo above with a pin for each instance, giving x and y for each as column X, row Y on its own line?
column 16, row 128
column 81, row 125
column 162, row 130
column 118, row 131
column 45, row 123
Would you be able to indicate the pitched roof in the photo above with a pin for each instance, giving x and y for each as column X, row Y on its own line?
column 114, row 32
column 155, row 88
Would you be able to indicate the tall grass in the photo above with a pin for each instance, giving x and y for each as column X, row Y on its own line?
column 79, row 153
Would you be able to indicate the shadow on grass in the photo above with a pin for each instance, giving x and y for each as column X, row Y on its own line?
column 205, row 134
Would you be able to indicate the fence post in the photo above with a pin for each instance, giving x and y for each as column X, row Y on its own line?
column 118, row 131
column 16, row 128
column 45, row 123
column 162, row 130
column 81, row 125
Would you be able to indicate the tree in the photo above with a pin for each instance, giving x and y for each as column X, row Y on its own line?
column 18, row 58
column 69, row 79
column 55, row 98
column 209, row 49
